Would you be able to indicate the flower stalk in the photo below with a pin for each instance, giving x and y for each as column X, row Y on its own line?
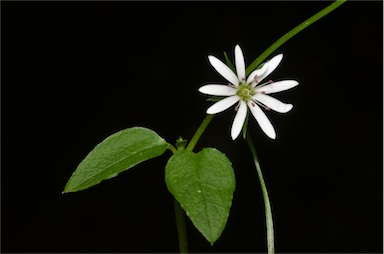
column 199, row 132
column 267, row 204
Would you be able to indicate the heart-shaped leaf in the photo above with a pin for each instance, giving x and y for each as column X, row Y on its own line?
column 203, row 184
column 115, row 154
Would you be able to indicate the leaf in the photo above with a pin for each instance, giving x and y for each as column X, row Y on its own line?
column 203, row 184
column 115, row 154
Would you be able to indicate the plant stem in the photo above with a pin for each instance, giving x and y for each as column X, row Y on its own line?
column 171, row 148
column 199, row 132
column 179, row 212
column 292, row 33
column 180, row 219
column 181, row 230
column 267, row 204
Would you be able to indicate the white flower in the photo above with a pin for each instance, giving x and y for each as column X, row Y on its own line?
column 248, row 92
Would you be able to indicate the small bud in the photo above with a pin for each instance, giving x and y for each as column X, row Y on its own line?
column 181, row 143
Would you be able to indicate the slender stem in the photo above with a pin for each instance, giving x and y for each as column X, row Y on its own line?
column 292, row 33
column 199, row 132
column 171, row 148
column 251, row 67
column 267, row 204
column 179, row 212
column 181, row 230
column 180, row 219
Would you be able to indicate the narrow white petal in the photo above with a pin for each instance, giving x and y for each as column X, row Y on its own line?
column 273, row 103
column 276, row 87
column 223, row 70
column 262, row 120
column 223, row 104
column 239, row 120
column 240, row 64
column 218, row 90
column 271, row 66
column 257, row 73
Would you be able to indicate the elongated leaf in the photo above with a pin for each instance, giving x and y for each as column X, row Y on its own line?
column 203, row 184
column 115, row 154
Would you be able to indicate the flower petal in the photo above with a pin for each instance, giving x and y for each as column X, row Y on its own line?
column 223, row 104
column 239, row 120
column 271, row 66
column 218, row 90
column 224, row 70
column 278, row 86
column 240, row 64
column 257, row 73
column 262, row 120
column 273, row 103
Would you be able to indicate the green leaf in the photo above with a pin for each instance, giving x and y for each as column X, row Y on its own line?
column 203, row 184
column 115, row 154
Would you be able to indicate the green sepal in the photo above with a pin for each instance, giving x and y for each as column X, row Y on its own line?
column 229, row 63
column 215, row 98
column 245, row 126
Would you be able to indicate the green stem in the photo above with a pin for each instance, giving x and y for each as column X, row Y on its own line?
column 267, row 204
column 172, row 148
column 199, row 132
column 180, row 219
column 292, row 33
column 179, row 212
column 181, row 230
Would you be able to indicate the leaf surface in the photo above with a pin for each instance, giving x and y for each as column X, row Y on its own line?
column 203, row 184
column 117, row 153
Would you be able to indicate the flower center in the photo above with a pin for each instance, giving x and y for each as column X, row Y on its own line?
column 245, row 92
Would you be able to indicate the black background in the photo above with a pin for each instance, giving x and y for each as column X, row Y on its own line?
column 75, row 72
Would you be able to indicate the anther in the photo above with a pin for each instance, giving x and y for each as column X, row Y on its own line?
column 263, row 92
column 243, row 79
column 255, row 78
